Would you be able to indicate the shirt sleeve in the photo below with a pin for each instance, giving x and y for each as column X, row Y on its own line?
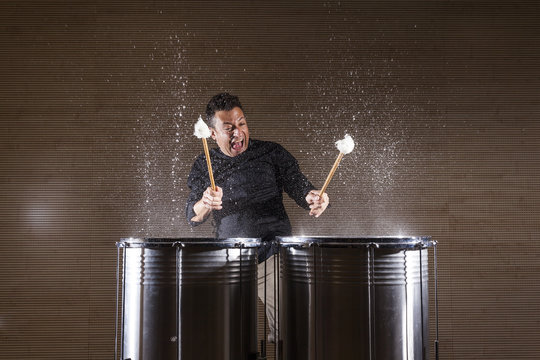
column 295, row 184
column 197, row 184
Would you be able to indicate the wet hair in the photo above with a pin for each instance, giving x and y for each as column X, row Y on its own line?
column 219, row 102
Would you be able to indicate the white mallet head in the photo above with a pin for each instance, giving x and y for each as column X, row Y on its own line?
column 346, row 145
column 201, row 129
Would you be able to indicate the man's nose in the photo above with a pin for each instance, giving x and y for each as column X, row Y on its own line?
column 236, row 132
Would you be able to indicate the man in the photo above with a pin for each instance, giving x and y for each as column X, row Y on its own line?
column 250, row 177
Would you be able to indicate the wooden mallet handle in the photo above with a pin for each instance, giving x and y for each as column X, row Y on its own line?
column 209, row 164
column 331, row 174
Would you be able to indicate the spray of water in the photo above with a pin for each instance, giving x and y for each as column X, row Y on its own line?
column 161, row 137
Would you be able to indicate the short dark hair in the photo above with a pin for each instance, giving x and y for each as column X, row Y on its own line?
column 219, row 102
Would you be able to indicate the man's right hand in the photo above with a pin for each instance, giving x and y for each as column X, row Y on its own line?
column 211, row 200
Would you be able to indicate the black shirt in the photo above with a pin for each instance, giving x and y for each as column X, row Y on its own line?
column 253, row 183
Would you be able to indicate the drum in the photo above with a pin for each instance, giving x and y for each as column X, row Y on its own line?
column 188, row 299
column 354, row 298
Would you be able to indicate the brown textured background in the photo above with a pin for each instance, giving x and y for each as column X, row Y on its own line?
column 97, row 104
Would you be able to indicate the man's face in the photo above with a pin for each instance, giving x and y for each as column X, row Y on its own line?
column 231, row 132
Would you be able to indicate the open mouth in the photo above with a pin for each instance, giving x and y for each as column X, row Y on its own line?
column 237, row 145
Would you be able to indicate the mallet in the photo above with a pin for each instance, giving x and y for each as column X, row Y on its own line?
column 345, row 146
column 202, row 132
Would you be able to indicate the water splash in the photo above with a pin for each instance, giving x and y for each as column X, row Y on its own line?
column 161, row 136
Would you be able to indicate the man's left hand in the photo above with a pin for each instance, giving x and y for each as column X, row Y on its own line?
column 317, row 204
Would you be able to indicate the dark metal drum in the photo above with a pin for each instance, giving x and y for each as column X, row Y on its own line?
column 188, row 299
column 354, row 298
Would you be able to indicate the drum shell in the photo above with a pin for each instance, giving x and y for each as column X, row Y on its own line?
column 189, row 299
column 354, row 302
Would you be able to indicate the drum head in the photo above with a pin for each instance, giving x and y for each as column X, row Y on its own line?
column 183, row 242
column 145, row 243
column 377, row 242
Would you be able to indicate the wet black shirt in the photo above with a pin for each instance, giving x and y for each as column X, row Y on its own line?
column 253, row 183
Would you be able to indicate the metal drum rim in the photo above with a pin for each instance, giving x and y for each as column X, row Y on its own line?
column 401, row 242
column 181, row 242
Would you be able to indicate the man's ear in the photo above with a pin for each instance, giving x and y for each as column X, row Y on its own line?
column 213, row 133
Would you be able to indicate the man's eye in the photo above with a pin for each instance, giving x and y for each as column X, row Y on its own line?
column 227, row 129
